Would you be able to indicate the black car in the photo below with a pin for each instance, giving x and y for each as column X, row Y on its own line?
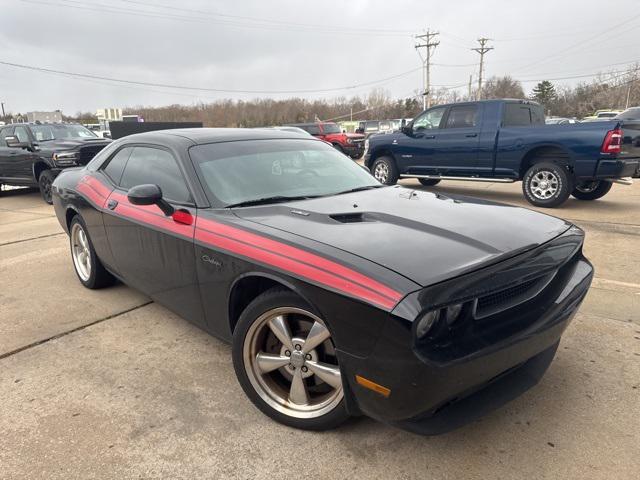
column 32, row 154
column 340, row 296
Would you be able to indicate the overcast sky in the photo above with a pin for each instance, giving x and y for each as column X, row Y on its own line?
column 298, row 45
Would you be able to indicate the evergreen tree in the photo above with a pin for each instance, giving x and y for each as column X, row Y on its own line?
column 544, row 93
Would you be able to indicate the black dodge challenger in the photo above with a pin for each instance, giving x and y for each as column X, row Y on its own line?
column 340, row 296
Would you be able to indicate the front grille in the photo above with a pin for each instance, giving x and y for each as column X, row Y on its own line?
column 88, row 152
column 510, row 297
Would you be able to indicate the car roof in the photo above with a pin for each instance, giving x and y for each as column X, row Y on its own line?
column 200, row 136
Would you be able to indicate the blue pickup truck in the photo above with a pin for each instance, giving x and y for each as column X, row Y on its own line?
column 508, row 141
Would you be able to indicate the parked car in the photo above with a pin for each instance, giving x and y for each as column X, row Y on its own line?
column 601, row 115
column 631, row 132
column 560, row 121
column 507, row 141
column 340, row 296
column 351, row 144
column 32, row 154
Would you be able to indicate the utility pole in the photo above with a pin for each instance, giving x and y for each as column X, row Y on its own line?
column 481, row 50
column 429, row 44
column 3, row 114
column 470, row 80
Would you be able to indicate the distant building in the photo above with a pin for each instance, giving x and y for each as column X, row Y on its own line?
column 109, row 114
column 45, row 117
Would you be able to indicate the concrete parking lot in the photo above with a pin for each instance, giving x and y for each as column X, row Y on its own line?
column 106, row 384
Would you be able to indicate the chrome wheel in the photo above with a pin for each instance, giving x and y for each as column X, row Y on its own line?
column 544, row 184
column 80, row 251
column 381, row 172
column 291, row 363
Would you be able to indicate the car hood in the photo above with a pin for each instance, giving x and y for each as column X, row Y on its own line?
column 70, row 144
column 423, row 236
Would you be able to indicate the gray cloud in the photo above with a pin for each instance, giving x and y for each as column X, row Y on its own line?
column 180, row 46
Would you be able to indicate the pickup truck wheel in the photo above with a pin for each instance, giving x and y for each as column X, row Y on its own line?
column 44, row 183
column 86, row 263
column 385, row 171
column 591, row 190
column 547, row 185
column 428, row 182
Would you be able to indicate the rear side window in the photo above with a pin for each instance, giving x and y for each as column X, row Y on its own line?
column 464, row 116
column 115, row 167
column 152, row 165
column 5, row 132
column 520, row 115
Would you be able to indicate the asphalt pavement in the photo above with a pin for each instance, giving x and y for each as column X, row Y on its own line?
column 106, row 384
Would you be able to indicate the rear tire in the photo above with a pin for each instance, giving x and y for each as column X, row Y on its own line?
column 45, row 180
column 547, row 184
column 429, row 182
column 591, row 190
column 284, row 358
column 385, row 171
column 86, row 263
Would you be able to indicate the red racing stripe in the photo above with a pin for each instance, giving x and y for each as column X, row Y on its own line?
column 298, row 254
column 292, row 265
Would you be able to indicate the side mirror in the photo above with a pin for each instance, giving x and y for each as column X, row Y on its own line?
column 149, row 194
column 13, row 142
column 406, row 129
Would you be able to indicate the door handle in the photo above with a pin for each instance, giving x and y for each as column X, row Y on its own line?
column 112, row 204
column 429, row 136
column 471, row 135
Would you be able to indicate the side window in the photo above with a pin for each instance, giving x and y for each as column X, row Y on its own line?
column 429, row 120
column 4, row 133
column 312, row 129
column 152, row 165
column 516, row 115
column 115, row 166
column 464, row 116
column 21, row 133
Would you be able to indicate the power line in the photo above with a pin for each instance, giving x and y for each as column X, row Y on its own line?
column 202, row 89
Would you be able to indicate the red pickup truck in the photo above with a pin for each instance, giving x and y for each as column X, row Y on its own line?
column 351, row 144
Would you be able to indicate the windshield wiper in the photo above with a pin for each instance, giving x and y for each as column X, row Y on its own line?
column 266, row 200
column 359, row 189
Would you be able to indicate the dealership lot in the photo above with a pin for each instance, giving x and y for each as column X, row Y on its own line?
column 107, row 384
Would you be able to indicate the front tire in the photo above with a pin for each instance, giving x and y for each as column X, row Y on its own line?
column 86, row 263
column 285, row 361
column 591, row 190
column 547, row 185
column 45, row 180
column 385, row 171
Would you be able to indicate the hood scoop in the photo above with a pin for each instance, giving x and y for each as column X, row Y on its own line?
column 355, row 217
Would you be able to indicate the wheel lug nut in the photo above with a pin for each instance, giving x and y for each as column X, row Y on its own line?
column 298, row 347
column 308, row 356
column 287, row 353
column 304, row 369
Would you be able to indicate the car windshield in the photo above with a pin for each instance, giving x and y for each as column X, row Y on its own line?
column 372, row 126
column 258, row 170
column 47, row 132
column 331, row 128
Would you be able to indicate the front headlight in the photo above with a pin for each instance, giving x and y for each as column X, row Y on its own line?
column 65, row 158
column 366, row 144
column 349, row 140
column 426, row 323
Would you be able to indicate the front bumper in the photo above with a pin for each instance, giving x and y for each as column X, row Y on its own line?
column 354, row 150
column 434, row 393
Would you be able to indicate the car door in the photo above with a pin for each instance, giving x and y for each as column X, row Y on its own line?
column 4, row 149
column 459, row 141
column 416, row 150
column 155, row 253
column 17, row 163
